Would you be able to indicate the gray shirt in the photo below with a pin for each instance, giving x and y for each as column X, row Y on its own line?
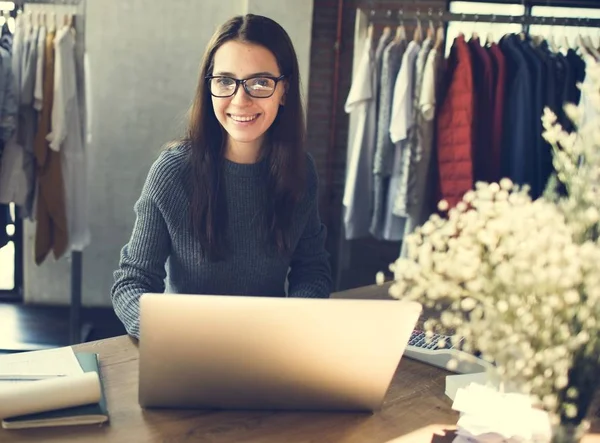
column 384, row 149
column 163, row 234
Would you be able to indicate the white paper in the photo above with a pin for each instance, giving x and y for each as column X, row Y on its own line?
column 49, row 394
column 490, row 416
column 38, row 365
column 455, row 382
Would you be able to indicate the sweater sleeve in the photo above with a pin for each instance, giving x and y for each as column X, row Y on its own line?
column 142, row 263
column 310, row 273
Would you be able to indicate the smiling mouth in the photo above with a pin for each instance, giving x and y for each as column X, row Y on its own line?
column 243, row 118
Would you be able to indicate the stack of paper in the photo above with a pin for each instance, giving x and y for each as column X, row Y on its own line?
column 50, row 388
column 38, row 365
column 487, row 415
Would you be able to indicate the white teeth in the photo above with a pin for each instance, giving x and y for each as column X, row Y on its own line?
column 244, row 118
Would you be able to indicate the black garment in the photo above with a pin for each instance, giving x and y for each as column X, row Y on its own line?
column 563, row 90
column 517, row 155
column 483, row 82
column 538, row 89
column 578, row 69
column 553, row 76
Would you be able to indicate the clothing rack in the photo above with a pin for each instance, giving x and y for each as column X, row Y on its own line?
column 389, row 17
column 367, row 17
column 78, row 332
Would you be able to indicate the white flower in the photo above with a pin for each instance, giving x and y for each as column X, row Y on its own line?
column 506, row 184
column 592, row 215
column 570, row 410
column 516, row 279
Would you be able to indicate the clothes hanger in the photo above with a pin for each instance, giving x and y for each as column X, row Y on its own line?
column 430, row 27
column 563, row 42
column 474, row 32
column 430, row 30
column 489, row 40
column 400, row 29
column 462, row 25
column 439, row 37
column 588, row 44
column 550, row 40
column 580, row 46
column 418, row 35
column 522, row 35
column 400, row 33
column 591, row 47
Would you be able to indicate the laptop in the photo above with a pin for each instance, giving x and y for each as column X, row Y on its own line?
column 242, row 352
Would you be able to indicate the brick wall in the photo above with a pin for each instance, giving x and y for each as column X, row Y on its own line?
column 367, row 256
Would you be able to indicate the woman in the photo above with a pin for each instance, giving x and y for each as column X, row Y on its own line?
column 233, row 207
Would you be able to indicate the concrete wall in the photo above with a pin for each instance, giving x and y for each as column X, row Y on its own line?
column 144, row 58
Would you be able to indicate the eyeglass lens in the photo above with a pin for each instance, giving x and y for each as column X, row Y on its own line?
column 260, row 87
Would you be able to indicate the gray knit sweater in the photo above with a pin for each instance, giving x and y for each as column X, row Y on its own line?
column 163, row 256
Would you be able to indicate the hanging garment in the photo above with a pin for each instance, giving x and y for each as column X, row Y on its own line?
column 361, row 106
column 27, row 124
column 482, row 115
column 455, row 126
column 401, row 120
column 406, row 194
column 422, row 194
column 589, row 111
column 18, row 52
column 563, row 88
column 545, row 167
column 384, row 151
column 578, row 69
column 537, row 95
column 52, row 230
column 15, row 182
column 38, row 90
column 67, row 138
column 499, row 80
column 385, row 39
column 8, row 97
column 518, row 114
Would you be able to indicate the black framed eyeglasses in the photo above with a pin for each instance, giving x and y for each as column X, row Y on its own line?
column 262, row 86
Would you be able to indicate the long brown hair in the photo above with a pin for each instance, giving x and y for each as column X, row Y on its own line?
column 285, row 153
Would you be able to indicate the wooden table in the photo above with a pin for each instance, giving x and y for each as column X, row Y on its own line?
column 415, row 410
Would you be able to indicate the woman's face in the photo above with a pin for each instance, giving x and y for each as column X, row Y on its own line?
column 245, row 118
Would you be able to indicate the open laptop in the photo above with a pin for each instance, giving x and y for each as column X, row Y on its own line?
column 236, row 352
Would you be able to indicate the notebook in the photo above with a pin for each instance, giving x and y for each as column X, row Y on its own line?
column 80, row 415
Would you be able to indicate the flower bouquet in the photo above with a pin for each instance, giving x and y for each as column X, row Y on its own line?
column 518, row 280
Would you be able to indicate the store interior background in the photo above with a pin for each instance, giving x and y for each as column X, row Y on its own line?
column 144, row 57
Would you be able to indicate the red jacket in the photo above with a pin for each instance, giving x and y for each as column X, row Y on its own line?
column 455, row 126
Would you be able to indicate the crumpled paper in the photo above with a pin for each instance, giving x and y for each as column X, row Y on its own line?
column 490, row 416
